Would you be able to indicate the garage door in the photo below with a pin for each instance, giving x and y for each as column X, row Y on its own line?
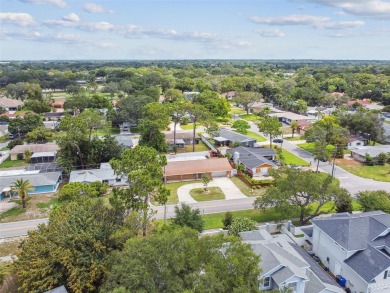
column 218, row 174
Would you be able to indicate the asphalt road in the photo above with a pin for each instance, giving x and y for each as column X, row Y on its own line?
column 20, row 228
column 15, row 229
column 351, row 182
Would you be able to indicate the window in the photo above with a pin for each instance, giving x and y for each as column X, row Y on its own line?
column 387, row 274
column 105, row 181
column 118, row 179
column 266, row 282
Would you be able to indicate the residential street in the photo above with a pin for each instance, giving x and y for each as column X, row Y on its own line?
column 351, row 182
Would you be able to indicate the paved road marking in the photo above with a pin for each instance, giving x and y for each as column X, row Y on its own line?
column 18, row 228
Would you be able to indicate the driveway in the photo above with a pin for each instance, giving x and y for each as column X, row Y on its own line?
column 230, row 190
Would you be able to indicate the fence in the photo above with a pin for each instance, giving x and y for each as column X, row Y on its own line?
column 210, row 146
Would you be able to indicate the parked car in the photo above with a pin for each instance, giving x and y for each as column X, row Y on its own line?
column 296, row 167
column 277, row 140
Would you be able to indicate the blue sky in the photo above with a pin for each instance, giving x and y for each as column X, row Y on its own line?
column 194, row 29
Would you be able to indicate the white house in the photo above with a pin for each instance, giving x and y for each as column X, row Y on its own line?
column 286, row 264
column 105, row 175
column 357, row 248
column 355, row 142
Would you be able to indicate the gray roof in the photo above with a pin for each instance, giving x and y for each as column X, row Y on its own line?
column 314, row 285
column 369, row 263
column 253, row 157
column 373, row 151
column 314, row 266
column 268, row 260
column 282, row 275
column 343, row 229
column 36, row 179
column 61, row 289
column 43, row 154
column 92, row 175
column 251, row 235
column 234, row 136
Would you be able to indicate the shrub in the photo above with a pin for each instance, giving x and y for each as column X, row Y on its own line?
column 74, row 190
column 19, row 156
column 241, row 225
column 227, row 220
column 15, row 142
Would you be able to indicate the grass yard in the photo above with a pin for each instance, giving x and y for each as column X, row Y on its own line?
column 4, row 149
column 110, row 131
column 245, row 189
column 249, row 117
column 38, row 206
column 256, row 136
column 134, row 129
column 379, row 173
column 235, row 110
column 4, row 138
column 291, row 159
column 310, row 147
column 15, row 163
column 213, row 221
column 200, row 147
column 173, row 198
column 213, row 193
column 188, row 126
column 9, row 247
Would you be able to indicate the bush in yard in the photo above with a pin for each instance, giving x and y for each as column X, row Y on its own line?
column 15, row 142
column 374, row 200
column 227, row 220
column 241, row 225
column 75, row 190
column 187, row 217
column 19, row 157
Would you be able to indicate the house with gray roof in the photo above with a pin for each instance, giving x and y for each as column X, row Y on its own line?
column 257, row 161
column 359, row 154
column 105, row 175
column 229, row 138
column 285, row 264
column 357, row 248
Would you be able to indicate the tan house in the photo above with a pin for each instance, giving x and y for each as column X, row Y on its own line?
column 33, row 148
column 192, row 170
column 10, row 105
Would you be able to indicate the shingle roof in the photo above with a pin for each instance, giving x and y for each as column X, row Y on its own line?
column 197, row 166
column 368, row 263
column 253, row 157
column 7, row 102
column 35, row 178
column 373, row 151
column 46, row 147
column 282, row 275
column 268, row 260
column 234, row 136
column 343, row 229
column 251, row 235
column 92, row 175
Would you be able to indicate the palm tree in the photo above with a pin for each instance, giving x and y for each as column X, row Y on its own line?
column 294, row 126
column 21, row 187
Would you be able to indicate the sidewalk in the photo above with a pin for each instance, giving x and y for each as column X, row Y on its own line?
column 229, row 189
column 5, row 205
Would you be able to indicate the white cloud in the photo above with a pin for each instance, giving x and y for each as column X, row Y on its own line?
column 340, row 25
column 20, row 19
column 20, row 34
column 97, row 26
column 295, row 19
column 94, row 8
column 72, row 17
column 57, row 3
column 366, row 8
column 56, row 23
column 271, row 33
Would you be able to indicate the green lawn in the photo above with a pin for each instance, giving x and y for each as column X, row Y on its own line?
column 110, row 131
column 4, row 138
column 200, row 147
column 213, row 221
column 379, row 173
column 16, row 163
column 188, row 126
column 310, row 147
column 12, row 212
column 235, row 110
column 173, row 198
column 245, row 189
column 213, row 193
column 4, row 149
column 249, row 117
column 256, row 136
column 291, row 159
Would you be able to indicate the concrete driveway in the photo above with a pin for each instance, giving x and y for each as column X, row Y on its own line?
column 230, row 190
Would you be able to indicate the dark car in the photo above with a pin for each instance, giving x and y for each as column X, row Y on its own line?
column 277, row 140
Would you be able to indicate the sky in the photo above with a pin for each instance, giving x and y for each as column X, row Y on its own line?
column 194, row 29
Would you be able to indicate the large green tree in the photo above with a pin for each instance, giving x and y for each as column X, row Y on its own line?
column 300, row 193
column 213, row 102
column 247, row 99
column 187, row 217
column 70, row 250
column 40, row 134
column 270, row 126
column 374, row 200
column 180, row 261
column 143, row 167
column 25, row 124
